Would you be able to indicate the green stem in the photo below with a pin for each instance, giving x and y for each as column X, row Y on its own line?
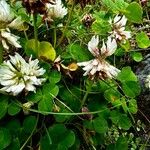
column 1, row 53
column 35, row 31
column 55, row 37
column 65, row 28
column 25, row 34
column 86, row 94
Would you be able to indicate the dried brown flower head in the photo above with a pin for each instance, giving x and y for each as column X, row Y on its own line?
column 87, row 20
column 36, row 6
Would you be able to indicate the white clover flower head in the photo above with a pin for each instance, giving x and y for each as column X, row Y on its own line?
column 5, row 12
column 16, row 75
column 98, row 66
column 118, row 25
column 57, row 10
column 8, row 37
column 147, row 81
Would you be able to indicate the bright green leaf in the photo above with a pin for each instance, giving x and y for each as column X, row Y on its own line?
column 124, row 105
column 101, row 27
column 131, row 88
column 134, row 12
column 126, row 74
column 142, row 40
column 113, row 96
column 46, row 51
column 45, row 104
column 78, row 53
column 126, row 45
column 133, row 106
column 30, row 48
column 137, row 56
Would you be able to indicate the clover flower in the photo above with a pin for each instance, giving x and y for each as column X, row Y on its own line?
column 147, row 81
column 7, row 21
column 7, row 37
column 99, row 66
column 16, row 75
column 56, row 10
column 5, row 13
column 118, row 25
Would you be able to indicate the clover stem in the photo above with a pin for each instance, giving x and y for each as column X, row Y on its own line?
column 65, row 28
column 86, row 94
column 55, row 36
column 35, row 31
column 1, row 53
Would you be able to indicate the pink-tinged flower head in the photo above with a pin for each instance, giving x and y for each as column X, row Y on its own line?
column 118, row 25
column 99, row 67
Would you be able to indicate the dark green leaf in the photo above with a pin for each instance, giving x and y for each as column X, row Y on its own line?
column 13, row 109
column 115, row 116
column 100, row 125
column 3, row 106
column 122, row 144
column 78, row 53
column 54, row 76
column 29, row 124
column 5, row 138
column 124, row 122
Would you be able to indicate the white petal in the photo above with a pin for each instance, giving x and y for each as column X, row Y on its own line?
column 30, row 87
column 88, row 67
column 93, row 45
column 84, row 63
column 111, row 46
column 5, row 44
column 5, row 14
column 127, row 34
column 93, row 71
column 123, row 21
column 12, row 39
column 117, row 18
column 95, row 62
column 103, row 49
